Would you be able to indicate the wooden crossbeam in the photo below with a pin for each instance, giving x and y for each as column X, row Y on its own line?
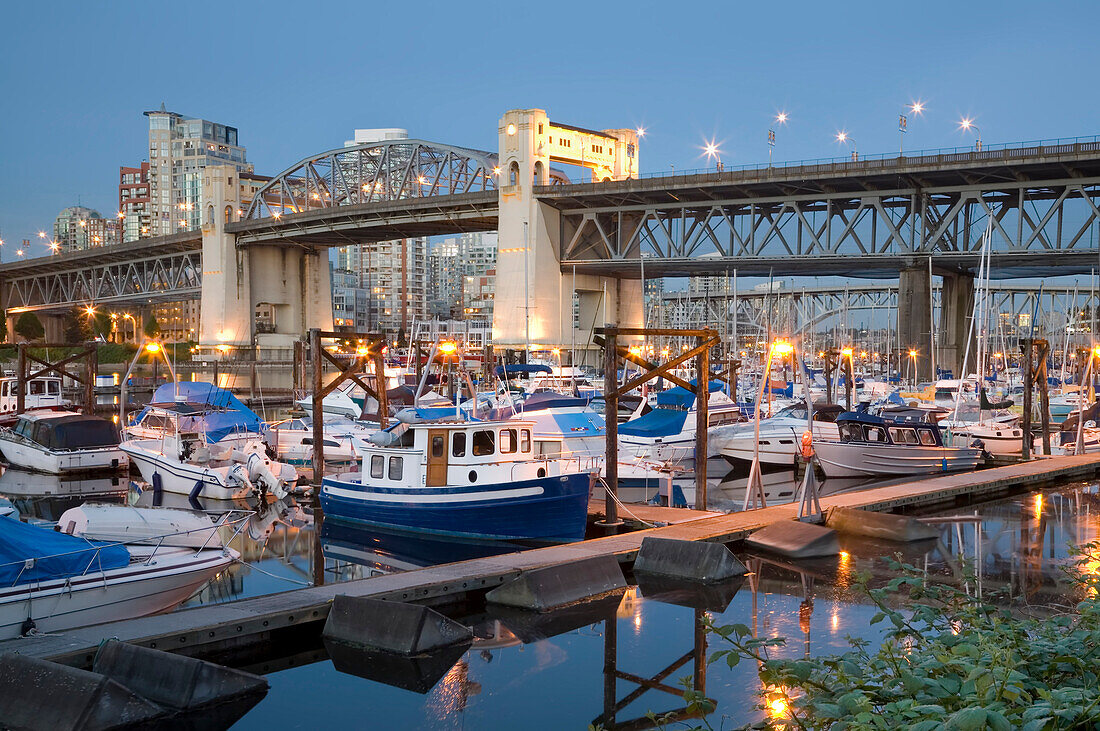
column 59, row 367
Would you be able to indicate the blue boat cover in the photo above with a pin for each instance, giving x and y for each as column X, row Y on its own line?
column 657, row 423
column 519, row 368
column 584, row 424
column 551, row 400
column 185, row 396
column 56, row 555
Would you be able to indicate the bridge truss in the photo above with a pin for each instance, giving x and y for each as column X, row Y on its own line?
column 845, row 218
column 141, row 275
column 374, row 173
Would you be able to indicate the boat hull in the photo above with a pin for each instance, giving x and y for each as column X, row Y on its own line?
column 134, row 591
column 28, row 457
column 546, row 509
column 183, row 478
column 864, row 459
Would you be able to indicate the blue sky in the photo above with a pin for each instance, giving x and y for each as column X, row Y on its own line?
column 297, row 78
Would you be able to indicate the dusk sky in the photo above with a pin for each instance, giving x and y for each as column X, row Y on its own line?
column 297, row 78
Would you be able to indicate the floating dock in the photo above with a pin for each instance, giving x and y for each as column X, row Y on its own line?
column 206, row 630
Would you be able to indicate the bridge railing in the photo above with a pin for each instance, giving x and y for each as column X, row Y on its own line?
column 886, row 160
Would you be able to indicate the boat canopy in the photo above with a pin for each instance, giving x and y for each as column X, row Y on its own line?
column 656, row 423
column 429, row 414
column 522, row 369
column 74, row 431
column 679, row 396
column 582, row 424
column 52, row 555
column 204, row 407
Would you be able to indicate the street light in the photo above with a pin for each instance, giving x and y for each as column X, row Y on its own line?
column 780, row 118
column 916, row 109
column 913, row 367
column 966, row 125
column 711, row 150
column 755, row 485
column 846, row 139
column 640, row 132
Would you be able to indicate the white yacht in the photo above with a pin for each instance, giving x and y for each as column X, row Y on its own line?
column 43, row 392
column 780, row 435
column 62, row 442
column 667, row 432
column 292, row 439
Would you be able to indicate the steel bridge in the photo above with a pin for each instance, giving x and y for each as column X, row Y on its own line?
column 150, row 271
column 844, row 217
column 871, row 217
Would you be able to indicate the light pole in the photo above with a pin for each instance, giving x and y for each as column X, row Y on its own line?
column 846, row 139
column 712, row 151
column 755, row 487
column 913, row 369
column 966, row 125
column 916, row 108
column 780, row 118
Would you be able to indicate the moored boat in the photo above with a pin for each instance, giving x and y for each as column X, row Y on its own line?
column 62, row 442
column 475, row 479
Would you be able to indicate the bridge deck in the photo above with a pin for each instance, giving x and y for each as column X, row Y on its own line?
column 211, row 628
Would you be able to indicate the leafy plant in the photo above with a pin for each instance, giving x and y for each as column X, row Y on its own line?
column 949, row 660
column 29, row 327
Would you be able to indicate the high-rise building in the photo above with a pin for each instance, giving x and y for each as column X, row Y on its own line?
column 179, row 148
column 452, row 264
column 133, row 202
column 77, row 228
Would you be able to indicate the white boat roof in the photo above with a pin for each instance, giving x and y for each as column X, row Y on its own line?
column 45, row 415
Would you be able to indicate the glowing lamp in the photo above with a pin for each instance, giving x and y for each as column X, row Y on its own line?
column 782, row 347
column 448, row 347
column 152, row 347
column 361, row 350
column 912, row 354
column 847, row 352
column 223, row 348
column 511, row 129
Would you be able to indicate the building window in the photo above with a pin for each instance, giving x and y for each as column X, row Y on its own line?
column 228, row 214
column 513, row 174
column 539, row 173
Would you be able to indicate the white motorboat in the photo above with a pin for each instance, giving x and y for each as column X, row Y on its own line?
column 62, row 442
column 185, row 406
column 667, row 432
column 780, row 435
column 42, row 392
column 183, row 463
column 870, row 446
column 53, row 582
column 292, row 439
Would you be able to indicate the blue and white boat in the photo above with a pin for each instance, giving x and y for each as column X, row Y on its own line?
column 435, row 472
column 667, row 432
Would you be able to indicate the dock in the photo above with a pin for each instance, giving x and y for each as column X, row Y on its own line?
column 214, row 628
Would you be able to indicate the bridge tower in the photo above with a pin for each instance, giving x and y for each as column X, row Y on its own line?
column 262, row 296
column 533, row 301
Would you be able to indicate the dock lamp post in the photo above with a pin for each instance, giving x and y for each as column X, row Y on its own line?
column 913, row 369
column 780, row 118
column 154, row 349
column 1079, row 445
column 846, row 139
column 712, row 151
column 755, row 487
column 447, row 350
column 966, row 125
column 849, row 377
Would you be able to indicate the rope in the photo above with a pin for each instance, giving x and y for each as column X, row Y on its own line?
column 273, row 576
column 623, row 507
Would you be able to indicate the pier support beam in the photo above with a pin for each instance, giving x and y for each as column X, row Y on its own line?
column 915, row 323
column 956, row 309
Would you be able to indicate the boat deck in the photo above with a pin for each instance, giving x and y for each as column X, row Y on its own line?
column 205, row 630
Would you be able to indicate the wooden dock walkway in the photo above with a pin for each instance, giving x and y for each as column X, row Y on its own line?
column 216, row 627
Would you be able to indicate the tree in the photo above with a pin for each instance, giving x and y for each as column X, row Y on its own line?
column 74, row 326
column 29, row 326
column 152, row 327
column 101, row 324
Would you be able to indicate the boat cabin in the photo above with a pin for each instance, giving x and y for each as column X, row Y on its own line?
column 41, row 392
column 855, row 427
column 443, row 454
column 62, row 431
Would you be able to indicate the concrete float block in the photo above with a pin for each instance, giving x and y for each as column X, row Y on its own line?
column 879, row 525
column 555, row 586
column 689, row 560
column 38, row 694
column 534, row 626
column 177, row 682
column 419, row 674
column 795, row 539
column 394, row 627
column 713, row 596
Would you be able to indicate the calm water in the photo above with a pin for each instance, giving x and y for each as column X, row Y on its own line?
column 567, row 671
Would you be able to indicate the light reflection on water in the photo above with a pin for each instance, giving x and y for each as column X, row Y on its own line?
column 616, row 666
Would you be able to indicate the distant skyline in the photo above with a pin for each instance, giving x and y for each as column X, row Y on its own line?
column 76, row 77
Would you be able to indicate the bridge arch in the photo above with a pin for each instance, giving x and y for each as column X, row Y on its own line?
column 375, row 172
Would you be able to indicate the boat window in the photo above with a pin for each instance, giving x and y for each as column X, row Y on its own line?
column 875, row 434
column 42, row 433
column 37, row 388
column 483, row 443
column 377, row 464
column 927, row 438
column 22, row 427
column 458, row 444
column 53, row 388
column 904, row 436
column 5, row 388
column 850, row 432
column 507, row 441
column 525, row 440
column 396, row 465
column 437, row 445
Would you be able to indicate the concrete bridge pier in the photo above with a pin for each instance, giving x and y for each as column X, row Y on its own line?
column 915, row 323
column 290, row 287
column 956, row 310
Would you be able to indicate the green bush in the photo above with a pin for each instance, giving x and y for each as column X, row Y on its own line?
column 950, row 660
column 29, row 326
